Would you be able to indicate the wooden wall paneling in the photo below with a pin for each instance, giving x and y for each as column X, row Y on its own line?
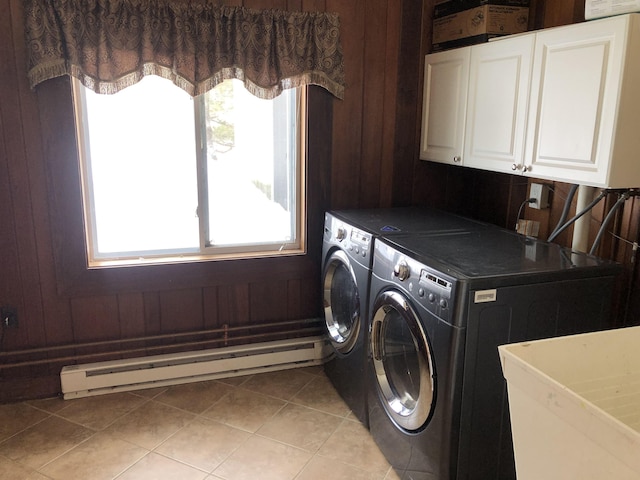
column 265, row 4
column 536, row 14
column 55, row 321
column 63, row 179
column 131, row 315
column 64, row 207
column 414, row 31
column 314, row 6
column 310, row 299
column 446, row 187
column 233, row 305
column 181, row 310
column 268, row 302
column 152, row 321
column 30, row 331
column 461, row 190
column 210, row 308
column 373, row 113
column 563, row 12
column 630, row 313
column 390, row 118
column 489, row 197
column 320, row 123
column 95, row 318
column 131, row 320
column 10, row 288
column 618, row 229
column 319, row 165
column 557, row 199
column 78, row 280
column 626, row 255
column 302, row 299
column 294, row 299
column 347, row 113
column 629, row 231
column 429, row 193
column 597, row 216
column 559, row 196
column 23, row 388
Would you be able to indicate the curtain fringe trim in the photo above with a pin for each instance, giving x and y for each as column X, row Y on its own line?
column 41, row 73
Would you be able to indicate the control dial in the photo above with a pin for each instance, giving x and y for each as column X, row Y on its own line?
column 402, row 270
column 341, row 234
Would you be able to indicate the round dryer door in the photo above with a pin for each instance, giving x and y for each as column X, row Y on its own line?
column 402, row 362
column 341, row 302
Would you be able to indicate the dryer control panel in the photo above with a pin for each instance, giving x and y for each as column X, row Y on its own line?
column 355, row 242
column 359, row 242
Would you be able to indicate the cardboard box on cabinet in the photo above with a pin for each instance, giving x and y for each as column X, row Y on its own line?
column 448, row 7
column 477, row 25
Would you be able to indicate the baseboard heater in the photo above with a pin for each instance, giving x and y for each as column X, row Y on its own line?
column 172, row 369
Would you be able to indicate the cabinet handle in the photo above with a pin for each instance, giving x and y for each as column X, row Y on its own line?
column 519, row 166
column 457, row 159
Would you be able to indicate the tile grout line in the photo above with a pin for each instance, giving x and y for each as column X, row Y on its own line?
column 295, row 399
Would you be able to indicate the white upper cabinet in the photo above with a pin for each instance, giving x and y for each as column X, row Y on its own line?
column 584, row 120
column 446, row 80
column 499, row 79
column 560, row 104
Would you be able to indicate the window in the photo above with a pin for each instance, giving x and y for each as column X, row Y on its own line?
column 167, row 177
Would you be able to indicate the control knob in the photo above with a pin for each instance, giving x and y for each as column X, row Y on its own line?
column 341, row 234
column 402, row 271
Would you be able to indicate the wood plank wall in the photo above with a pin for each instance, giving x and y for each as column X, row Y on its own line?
column 362, row 153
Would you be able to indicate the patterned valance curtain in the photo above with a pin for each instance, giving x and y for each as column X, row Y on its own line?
column 111, row 44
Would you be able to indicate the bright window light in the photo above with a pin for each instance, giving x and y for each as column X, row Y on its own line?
column 170, row 178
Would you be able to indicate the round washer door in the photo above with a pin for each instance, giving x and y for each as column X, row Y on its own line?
column 402, row 362
column 341, row 302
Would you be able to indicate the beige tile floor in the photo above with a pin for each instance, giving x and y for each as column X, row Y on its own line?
column 281, row 425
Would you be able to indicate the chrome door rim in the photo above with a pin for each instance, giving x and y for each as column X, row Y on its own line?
column 342, row 343
column 408, row 417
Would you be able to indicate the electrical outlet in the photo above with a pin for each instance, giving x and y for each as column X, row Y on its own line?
column 9, row 317
column 540, row 192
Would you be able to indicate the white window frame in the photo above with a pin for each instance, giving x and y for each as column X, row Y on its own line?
column 205, row 252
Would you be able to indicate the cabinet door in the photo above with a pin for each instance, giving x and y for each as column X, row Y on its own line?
column 574, row 96
column 499, row 81
column 446, row 78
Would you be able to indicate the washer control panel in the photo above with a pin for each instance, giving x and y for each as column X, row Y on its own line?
column 435, row 288
column 432, row 289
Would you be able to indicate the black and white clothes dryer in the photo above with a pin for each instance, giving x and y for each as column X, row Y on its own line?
column 440, row 305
